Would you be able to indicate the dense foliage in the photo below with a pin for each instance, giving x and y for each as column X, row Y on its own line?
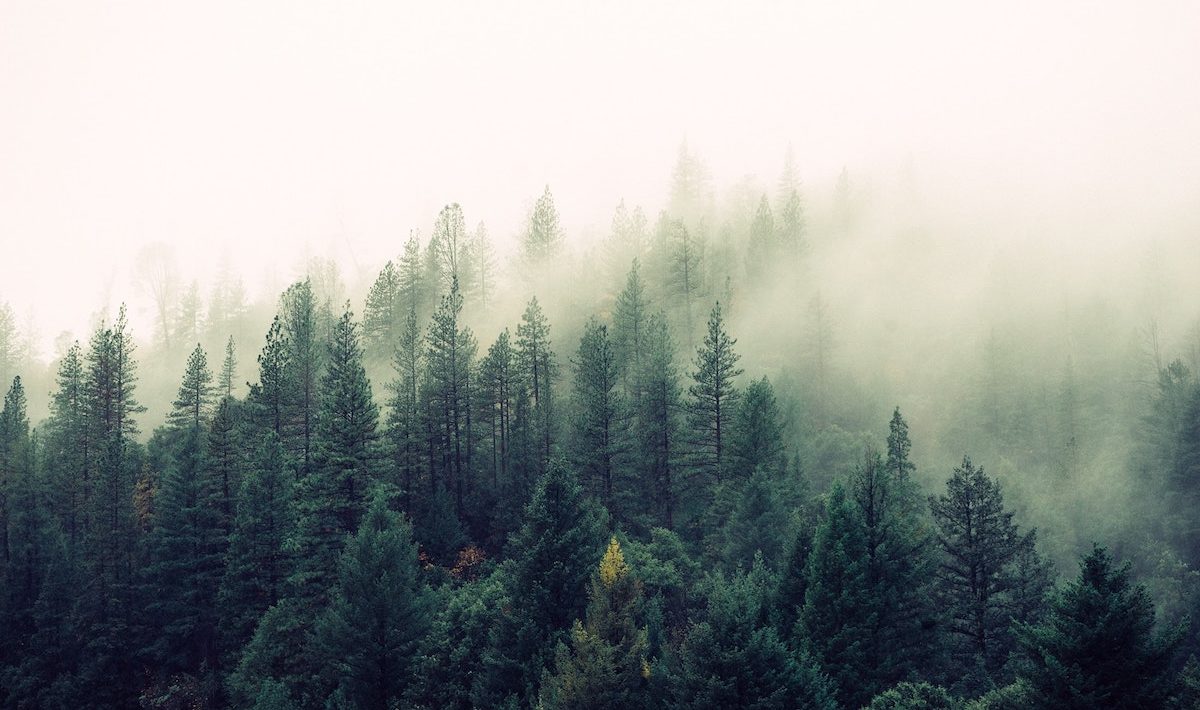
column 611, row 511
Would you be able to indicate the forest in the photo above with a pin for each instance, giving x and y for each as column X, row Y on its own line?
column 670, row 468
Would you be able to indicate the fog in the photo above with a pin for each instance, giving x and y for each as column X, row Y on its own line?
column 996, row 229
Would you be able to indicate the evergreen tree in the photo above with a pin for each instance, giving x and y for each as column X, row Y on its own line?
column 450, row 349
column 256, row 563
column 225, row 381
column 756, row 439
column 269, row 399
column 538, row 370
column 977, row 578
column 380, row 316
column 731, row 659
column 371, row 633
column 404, row 430
column 543, row 237
column 631, row 332
column 193, row 404
column 763, row 248
column 840, row 608
column 900, row 567
column 302, row 369
column 684, row 277
column 450, row 248
column 656, row 423
column 1097, row 646
column 552, row 557
column 758, row 523
column 600, row 437
column 410, row 278
column 714, row 398
column 330, row 497
column 68, row 448
column 606, row 665
column 107, row 613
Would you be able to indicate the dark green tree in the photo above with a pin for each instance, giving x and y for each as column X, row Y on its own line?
column 606, row 665
column 381, row 316
column 756, row 439
column 840, row 608
column 256, row 563
column 600, row 439
column 731, row 659
column 538, row 370
column 553, row 555
column 977, row 576
column 1097, row 646
column 371, row 633
column 714, row 398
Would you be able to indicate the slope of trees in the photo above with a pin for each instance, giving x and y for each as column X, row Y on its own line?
column 615, row 508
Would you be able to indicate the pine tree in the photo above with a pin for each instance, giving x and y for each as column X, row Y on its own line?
column 223, row 459
column 269, row 399
column 1098, row 646
column 68, row 448
column 758, row 522
column 600, row 440
column 538, row 370
column 330, row 497
column 606, row 665
column 450, row 248
column 684, row 278
column 380, row 314
column 714, row 398
column 188, row 545
column 543, row 237
column 900, row 568
column 656, row 423
column 840, row 608
column 756, row 438
column 26, row 529
column 450, row 349
column 552, row 557
column 107, row 612
column 410, row 278
column 193, row 404
column 302, row 369
column 631, row 332
column 763, row 250
column 225, row 381
column 370, row 634
column 731, row 659
column 499, row 391
column 790, row 208
column 980, row 543
column 404, row 429
column 257, row 564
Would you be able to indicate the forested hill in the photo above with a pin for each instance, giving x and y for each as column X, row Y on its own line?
column 673, row 469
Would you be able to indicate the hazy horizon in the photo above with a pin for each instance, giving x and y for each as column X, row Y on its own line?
column 258, row 135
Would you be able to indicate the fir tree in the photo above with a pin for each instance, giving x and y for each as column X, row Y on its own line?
column 380, row 316
column 371, row 633
column 631, row 332
column 979, row 542
column 538, row 371
column 731, row 659
column 600, row 437
column 225, row 381
column 840, row 609
column 552, row 557
column 606, row 665
column 256, row 563
column 1098, row 646
column 656, row 423
column 714, row 397
column 543, row 237
column 450, row 349
column 756, row 439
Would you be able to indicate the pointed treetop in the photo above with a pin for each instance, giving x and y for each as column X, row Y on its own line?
column 612, row 566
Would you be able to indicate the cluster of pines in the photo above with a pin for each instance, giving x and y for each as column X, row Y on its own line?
column 625, row 529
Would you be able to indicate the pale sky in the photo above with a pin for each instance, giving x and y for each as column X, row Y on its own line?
column 262, row 129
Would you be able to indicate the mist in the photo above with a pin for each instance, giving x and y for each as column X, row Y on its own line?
column 982, row 218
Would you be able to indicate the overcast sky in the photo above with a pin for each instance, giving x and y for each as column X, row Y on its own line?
column 260, row 130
